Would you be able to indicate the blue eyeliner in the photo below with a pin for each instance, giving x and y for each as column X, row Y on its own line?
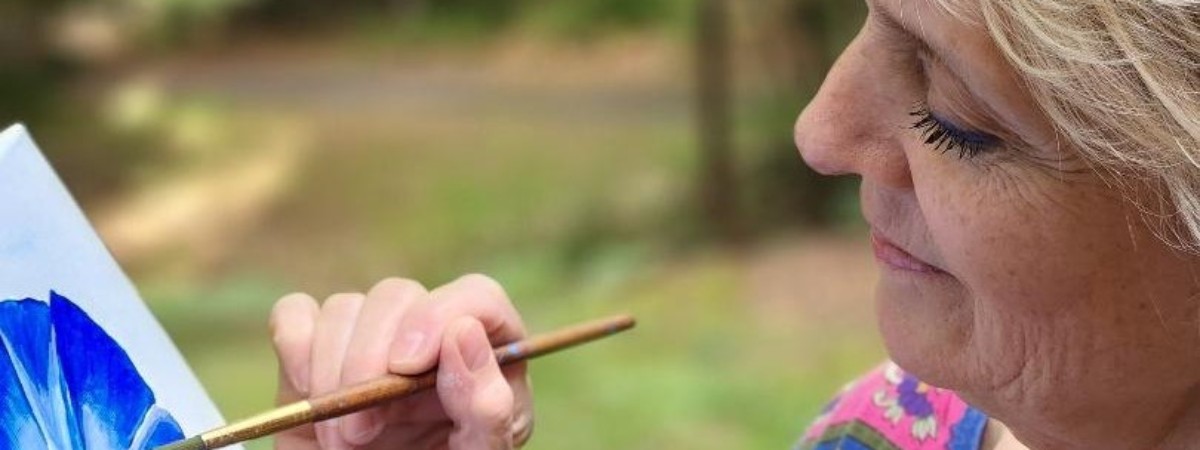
column 945, row 136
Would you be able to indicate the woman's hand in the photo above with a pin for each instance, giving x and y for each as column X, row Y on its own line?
column 399, row 327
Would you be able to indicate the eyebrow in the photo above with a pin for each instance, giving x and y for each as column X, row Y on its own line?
column 937, row 53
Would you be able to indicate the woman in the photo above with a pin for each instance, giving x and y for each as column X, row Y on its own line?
column 1031, row 175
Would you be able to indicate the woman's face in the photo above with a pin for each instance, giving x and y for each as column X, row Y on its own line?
column 1010, row 271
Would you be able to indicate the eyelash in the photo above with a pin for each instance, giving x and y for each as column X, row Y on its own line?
column 947, row 137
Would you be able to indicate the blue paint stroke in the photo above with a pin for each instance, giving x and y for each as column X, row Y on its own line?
column 65, row 384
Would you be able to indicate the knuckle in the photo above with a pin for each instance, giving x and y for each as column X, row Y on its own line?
column 359, row 367
column 493, row 406
column 342, row 300
column 276, row 324
column 284, row 322
column 401, row 287
column 438, row 313
column 288, row 304
column 484, row 285
column 286, row 342
column 452, row 386
column 292, row 299
column 493, row 402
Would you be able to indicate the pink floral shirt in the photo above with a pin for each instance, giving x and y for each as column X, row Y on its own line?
column 891, row 410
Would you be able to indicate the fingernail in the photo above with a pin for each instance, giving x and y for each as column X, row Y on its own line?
column 300, row 381
column 407, row 349
column 476, row 356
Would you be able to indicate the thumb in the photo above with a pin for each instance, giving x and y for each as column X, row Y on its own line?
column 473, row 390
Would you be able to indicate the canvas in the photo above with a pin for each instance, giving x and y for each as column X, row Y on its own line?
column 83, row 363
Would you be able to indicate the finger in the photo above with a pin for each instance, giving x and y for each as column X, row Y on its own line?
column 477, row 296
column 421, row 410
column 522, row 423
column 292, row 322
column 473, row 389
column 366, row 356
column 332, row 336
column 431, row 437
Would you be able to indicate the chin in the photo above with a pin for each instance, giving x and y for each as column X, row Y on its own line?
column 925, row 329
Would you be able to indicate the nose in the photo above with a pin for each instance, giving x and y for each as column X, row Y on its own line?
column 851, row 125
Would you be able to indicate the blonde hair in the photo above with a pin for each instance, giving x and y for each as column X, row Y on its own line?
column 1120, row 80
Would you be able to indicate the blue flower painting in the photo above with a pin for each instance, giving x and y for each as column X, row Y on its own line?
column 65, row 384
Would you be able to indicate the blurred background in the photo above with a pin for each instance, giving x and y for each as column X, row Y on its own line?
column 595, row 156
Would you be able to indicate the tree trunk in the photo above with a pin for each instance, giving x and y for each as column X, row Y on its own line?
column 717, row 183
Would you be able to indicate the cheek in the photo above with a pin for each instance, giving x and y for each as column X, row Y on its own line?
column 1028, row 247
column 1021, row 264
column 1017, row 253
column 1045, row 273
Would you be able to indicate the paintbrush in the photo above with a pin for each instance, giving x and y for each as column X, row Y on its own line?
column 389, row 387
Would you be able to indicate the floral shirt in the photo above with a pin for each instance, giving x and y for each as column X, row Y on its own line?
column 891, row 410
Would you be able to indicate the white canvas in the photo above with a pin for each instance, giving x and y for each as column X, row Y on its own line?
column 47, row 245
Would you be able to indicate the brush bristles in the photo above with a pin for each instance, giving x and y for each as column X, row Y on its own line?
column 195, row 443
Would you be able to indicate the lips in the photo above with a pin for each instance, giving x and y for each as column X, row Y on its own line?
column 895, row 257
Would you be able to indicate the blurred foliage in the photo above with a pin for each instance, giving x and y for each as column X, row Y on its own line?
column 468, row 18
column 587, row 18
column 35, row 76
column 30, row 72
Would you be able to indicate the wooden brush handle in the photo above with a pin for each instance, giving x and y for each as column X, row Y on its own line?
column 368, row 394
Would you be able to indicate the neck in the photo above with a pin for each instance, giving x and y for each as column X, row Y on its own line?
column 1167, row 428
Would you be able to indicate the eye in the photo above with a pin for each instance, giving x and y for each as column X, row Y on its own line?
column 947, row 137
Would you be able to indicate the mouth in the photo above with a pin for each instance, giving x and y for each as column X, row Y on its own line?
column 891, row 255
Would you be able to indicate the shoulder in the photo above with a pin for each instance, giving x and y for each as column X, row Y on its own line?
column 890, row 409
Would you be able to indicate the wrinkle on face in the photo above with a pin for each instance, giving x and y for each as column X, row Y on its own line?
column 985, row 74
